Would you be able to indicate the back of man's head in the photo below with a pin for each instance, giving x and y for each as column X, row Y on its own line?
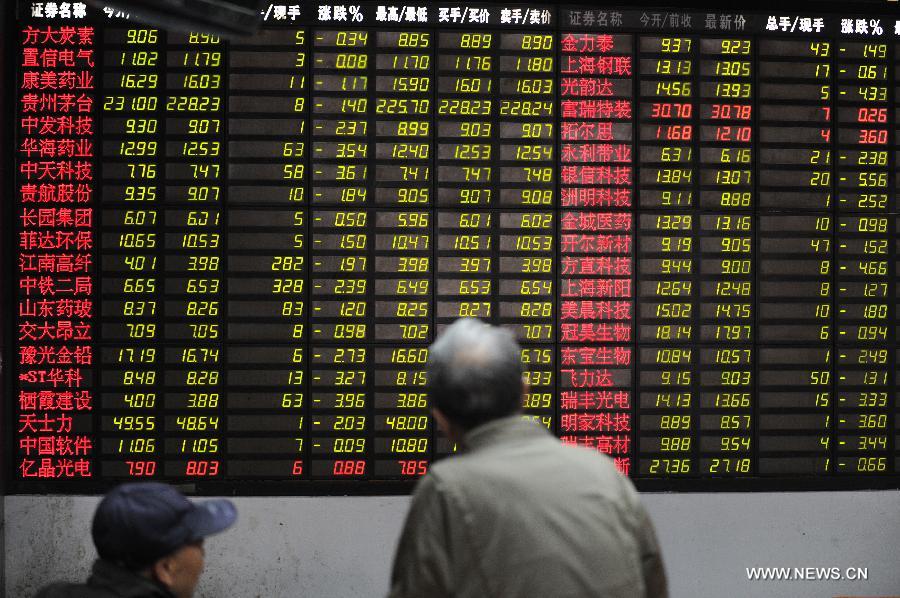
column 475, row 373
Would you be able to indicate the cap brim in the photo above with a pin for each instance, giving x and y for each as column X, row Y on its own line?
column 211, row 517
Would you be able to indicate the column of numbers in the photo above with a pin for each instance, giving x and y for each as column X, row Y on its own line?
column 193, row 243
column 268, row 263
column 403, row 251
column 131, row 379
column 466, row 191
column 342, row 289
column 726, row 264
column 864, row 233
column 795, row 256
column 667, row 264
column 527, row 236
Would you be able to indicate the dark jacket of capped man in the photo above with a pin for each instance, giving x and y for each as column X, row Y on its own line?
column 108, row 580
column 517, row 514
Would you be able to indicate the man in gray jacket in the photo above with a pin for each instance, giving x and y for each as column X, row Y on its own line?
column 516, row 514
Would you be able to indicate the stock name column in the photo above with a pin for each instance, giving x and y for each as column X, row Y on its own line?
column 267, row 252
column 864, row 232
column 193, row 329
column 404, row 87
column 55, row 268
column 596, row 285
column 130, row 260
column 795, row 247
column 341, row 237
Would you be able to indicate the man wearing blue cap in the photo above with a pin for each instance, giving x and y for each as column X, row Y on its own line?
column 149, row 538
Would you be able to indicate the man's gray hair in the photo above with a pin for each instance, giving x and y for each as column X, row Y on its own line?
column 475, row 373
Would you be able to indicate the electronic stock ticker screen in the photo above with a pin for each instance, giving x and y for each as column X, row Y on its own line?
column 228, row 257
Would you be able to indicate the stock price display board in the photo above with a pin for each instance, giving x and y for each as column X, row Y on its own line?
column 228, row 257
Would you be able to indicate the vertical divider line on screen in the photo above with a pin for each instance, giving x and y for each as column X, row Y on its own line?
column 696, row 294
column 8, row 130
column 755, row 251
column 494, row 205
column 160, row 228
column 306, row 204
column 834, row 255
column 370, row 206
column 224, row 225
column 891, row 430
column 311, row 33
column 433, row 190
column 696, row 257
column 97, row 270
column 162, row 201
column 634, row 393
column 556, row 296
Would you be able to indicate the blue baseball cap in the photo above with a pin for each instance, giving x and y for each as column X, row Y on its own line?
column 139, row 523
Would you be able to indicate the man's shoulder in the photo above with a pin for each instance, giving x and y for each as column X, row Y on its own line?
column 58, row 590
column 544, row 446
column 533, row 458
column 72, row 590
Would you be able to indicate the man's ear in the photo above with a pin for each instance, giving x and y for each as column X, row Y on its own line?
column 163, row 571
column 453, row 432
column 443, row 423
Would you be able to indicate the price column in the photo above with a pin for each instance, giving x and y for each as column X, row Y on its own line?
column 726, row 257
column 467, row 131
column 342, row 290
column 864, row 233
column 795, row 256
column 131, row 263
column 267, row 256
column 527, row 247
column 667, row 265
column 403, row 251
column 596, row 244
column 465, row 147
column 193, row 244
